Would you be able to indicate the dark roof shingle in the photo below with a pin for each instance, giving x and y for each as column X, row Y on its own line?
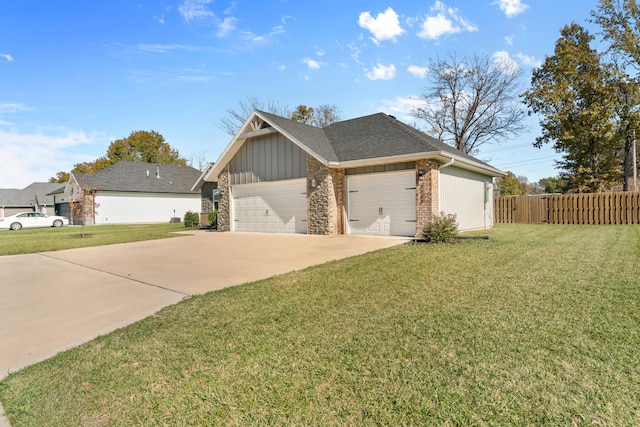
column 142, row 177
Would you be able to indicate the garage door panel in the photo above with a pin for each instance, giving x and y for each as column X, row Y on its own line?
column 382, row 204
column 273, row 208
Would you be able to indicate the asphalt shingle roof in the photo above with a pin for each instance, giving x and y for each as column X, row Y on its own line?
column 142, row 177
column 373, row 136
column 37, row 192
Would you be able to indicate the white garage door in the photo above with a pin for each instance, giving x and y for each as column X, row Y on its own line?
column 279, row 207
column 382, row 204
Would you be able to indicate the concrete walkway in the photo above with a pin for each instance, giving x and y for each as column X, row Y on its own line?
column 53, row 301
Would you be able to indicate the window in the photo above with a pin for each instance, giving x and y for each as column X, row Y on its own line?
column 215, row 199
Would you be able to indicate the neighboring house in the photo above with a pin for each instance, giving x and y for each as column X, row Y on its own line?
column 370, row 175
column 135, row 192
column 33, row 198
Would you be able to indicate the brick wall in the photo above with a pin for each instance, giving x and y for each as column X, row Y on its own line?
column 426, row 193
column 325, row 210
column 224, row 204
column 206, row 202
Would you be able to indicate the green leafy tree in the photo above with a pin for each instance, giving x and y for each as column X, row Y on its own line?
column 572, row 92
column 472, row 101
column 620, row 23
column 60, row 177
column 509, row 185
column 320, row 117
column 553, row 184
column 144, row 146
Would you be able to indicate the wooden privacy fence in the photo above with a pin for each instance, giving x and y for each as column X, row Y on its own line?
column 594, row 208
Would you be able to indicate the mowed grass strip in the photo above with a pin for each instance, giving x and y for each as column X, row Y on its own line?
column 540, row 325
column 27, row 241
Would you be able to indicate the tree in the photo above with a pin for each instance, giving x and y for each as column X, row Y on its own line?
column 508, row 185
column 320, row 117
column 620, row 21
column 82, row 202
column 234, row 120
column 471, row 102
column 572, row 92
column 139, row 146
column 144, row 146
column 60, row 177
column 551, row 184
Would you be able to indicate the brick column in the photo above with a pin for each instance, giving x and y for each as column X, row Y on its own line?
column 224, row 203
column 426, row 193
column 206, row 202
column 325, row 213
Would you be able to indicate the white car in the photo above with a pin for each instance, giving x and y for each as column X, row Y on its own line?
column 32, row 220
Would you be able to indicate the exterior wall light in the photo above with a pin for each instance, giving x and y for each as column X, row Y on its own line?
column 314, row 183
column 421, row 174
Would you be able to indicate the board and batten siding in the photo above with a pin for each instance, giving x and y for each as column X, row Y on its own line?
column 469, row 195
column 267, row 158
column 130, row 208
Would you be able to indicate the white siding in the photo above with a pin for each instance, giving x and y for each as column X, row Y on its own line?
column 123, row 208
column 468, row 195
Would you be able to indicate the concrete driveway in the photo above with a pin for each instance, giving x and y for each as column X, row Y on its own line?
column 53, row 301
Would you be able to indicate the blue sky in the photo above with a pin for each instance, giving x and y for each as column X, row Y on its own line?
column 77, row 75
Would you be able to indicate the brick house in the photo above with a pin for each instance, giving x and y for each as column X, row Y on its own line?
column 369, row 175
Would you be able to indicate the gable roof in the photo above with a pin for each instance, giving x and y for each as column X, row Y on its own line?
column 141, row 177
column 369, row 140
column 35, row 193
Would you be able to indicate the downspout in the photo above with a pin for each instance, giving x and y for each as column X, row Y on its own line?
column 449, row 163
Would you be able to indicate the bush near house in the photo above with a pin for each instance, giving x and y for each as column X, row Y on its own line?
column 213, row 219
column 191, row 219
column 443, row 229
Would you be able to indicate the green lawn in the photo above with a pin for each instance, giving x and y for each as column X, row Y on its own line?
column 34, row 240
column 540, row 325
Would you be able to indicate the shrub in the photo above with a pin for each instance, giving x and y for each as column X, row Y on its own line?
column 213, row 219
column 443, row 229
column 191, row 219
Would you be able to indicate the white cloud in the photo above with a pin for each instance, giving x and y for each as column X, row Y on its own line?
column 385, row 26
column 35, row 157
column 282, row 67
column 227, row 26
column 444, row 20
column 509, row 39
column 163, row 48
column 401, row 107
column 418, row 71
column 382, row 72
column 511, row 8
column 160, row 19
column 195, row 9
column 355, row 53
column 7, row 57
column 312, row 64
column 9, row 107
column 529, row 60
column 262, row 39
column 504, row 61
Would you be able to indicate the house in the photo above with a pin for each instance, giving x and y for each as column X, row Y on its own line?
column 134, row 192
column 369, row 175
column 33, row 198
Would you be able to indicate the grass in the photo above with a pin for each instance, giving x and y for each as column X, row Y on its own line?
column 538, row 326
column 53, row 239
